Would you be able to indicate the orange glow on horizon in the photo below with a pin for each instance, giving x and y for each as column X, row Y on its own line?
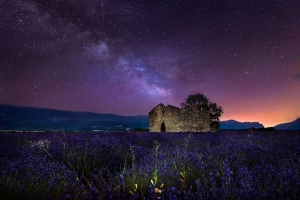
column 268, row 116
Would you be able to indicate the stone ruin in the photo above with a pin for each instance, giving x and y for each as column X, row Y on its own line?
column 173, row 119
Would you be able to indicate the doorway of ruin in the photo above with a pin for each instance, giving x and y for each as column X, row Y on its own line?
column 163, row 127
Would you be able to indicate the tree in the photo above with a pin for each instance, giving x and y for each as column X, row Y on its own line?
column 204, row 104
column 196, row 99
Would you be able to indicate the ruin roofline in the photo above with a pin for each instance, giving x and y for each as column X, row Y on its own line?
column 191, row 107
column 157, row 106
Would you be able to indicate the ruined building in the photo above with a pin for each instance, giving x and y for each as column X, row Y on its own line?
column 173, row 119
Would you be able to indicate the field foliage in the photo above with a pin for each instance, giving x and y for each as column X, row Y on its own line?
column 223, row 165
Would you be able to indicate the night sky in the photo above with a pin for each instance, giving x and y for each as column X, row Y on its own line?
column 126, row 56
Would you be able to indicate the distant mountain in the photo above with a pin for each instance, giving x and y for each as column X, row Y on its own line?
column 294, row 125
column 235, row 125
column 28, row 118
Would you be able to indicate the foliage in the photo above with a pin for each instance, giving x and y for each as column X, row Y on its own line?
column 262, row 129
column 196, row 99
column 229, row 165
column 140, row 130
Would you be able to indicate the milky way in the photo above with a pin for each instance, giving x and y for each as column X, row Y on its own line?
column 125, row 57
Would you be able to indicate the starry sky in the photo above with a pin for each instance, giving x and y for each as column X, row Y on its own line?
column 126, row 56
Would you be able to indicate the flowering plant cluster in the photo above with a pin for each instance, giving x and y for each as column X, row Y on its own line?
column 223, row 165
column 41, row 144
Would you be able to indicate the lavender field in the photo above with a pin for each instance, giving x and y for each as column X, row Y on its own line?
column 223, row 165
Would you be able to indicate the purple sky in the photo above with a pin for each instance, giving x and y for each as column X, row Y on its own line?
column 125, row 57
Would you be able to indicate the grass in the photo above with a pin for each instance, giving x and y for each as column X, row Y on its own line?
column 151, row 165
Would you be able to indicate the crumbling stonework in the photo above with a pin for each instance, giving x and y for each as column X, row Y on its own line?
column 173, row 119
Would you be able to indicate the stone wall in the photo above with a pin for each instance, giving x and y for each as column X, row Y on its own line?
column 156, row 118
column 173, row 119
column 195, row 120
